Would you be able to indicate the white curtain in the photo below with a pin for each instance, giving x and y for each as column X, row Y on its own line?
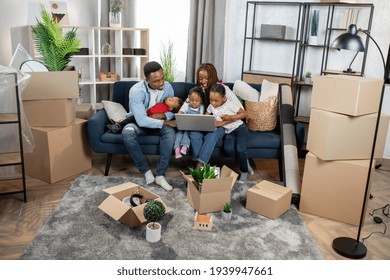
column 206, row 36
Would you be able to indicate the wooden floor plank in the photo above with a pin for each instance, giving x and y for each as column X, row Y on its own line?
column 19, row 222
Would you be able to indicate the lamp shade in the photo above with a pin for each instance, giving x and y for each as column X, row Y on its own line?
column 350, row 40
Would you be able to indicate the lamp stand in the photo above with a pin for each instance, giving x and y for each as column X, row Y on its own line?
column 349, row 248
column 346, row 246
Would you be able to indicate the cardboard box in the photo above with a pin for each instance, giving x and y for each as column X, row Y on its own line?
column 335, row 136
column 350, row 95
column 50, row 112
column 268, row 199
column 52, row 85
column 214, row 192
column 60, row 152
column 334, row 189
column 122, row 212
column 84, row 111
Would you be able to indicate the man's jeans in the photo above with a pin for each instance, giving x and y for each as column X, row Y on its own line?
column 167, row 138
column 203, row 145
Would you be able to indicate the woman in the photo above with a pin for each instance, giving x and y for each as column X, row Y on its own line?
column 206, row 77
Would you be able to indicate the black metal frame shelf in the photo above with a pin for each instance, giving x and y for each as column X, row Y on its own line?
column 14, row 158
column 331, row 9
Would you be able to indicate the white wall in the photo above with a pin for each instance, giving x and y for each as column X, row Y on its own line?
column 380, row 31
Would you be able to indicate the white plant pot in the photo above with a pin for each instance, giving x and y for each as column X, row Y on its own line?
column 115, row 19
column 313, row 40
column 226, row 216
column 153, row 234
column 307, row 81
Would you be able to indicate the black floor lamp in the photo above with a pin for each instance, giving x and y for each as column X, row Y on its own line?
column 346, row 246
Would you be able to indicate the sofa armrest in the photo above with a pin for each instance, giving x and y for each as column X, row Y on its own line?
column 96, row 127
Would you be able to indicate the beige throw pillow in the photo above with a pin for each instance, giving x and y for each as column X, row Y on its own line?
column 245, row 91
column 115, row 111
column 268, row 89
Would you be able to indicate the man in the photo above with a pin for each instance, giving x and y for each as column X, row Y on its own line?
column 144, row 95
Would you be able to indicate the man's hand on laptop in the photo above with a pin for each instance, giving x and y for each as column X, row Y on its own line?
column 170, row 123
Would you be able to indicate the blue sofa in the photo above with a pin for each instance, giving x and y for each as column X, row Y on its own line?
column 266, row 145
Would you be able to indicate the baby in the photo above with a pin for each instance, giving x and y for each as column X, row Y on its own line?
column 171, row 104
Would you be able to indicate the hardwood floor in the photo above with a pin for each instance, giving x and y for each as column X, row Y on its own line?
column 19, row 222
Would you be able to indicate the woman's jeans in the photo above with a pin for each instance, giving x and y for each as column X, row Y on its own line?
column 235, row 144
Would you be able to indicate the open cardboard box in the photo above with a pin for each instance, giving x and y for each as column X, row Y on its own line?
column 122, row 212
column 268, row 199
column 214, row 192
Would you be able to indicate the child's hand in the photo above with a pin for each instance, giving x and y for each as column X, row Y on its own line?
column 226, row 117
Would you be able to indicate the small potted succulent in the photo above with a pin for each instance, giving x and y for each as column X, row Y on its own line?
column 201, row 173
column 154, row 211
column 308, row 77
column 227, row 212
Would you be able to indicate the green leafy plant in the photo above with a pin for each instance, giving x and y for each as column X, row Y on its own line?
column 55, row 47
column 201, row 173
column 168, row 61
column 154, row 211
column 117, row 5
column 308, row 74
column 227, row 208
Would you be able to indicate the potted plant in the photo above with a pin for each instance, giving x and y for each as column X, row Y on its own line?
column 168, row 61
column 227, row 212
column 55, row 47
column 154, row 211
column 201, row 173
column 115, row 16
column 308, row 77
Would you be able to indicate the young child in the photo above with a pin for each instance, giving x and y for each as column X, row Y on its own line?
column 172, row 104
column 229, row 116
column 193, row 105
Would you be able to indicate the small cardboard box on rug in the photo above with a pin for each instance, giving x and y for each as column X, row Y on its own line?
column 48, row 98
column 335, row 136
column 60, row 152
column 268, row 199
column 344, row 94
column 214, row 192
column 334, row 189
column 117, row 209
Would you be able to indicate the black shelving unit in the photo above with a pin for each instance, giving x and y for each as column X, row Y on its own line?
column 253, row 42
column 7, row 183
column 323, row 48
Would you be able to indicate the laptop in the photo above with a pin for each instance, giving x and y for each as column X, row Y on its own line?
column 192, row 122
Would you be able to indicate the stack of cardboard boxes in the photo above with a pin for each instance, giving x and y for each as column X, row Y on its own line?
column 340, row 139
column 61, row 149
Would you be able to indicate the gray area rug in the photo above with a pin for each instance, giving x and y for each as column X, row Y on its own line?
column 77, row 229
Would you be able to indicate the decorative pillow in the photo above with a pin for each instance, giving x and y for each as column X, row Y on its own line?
column 115, row 111
column 268, row 89
column 245, row 91
column 262, row 116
